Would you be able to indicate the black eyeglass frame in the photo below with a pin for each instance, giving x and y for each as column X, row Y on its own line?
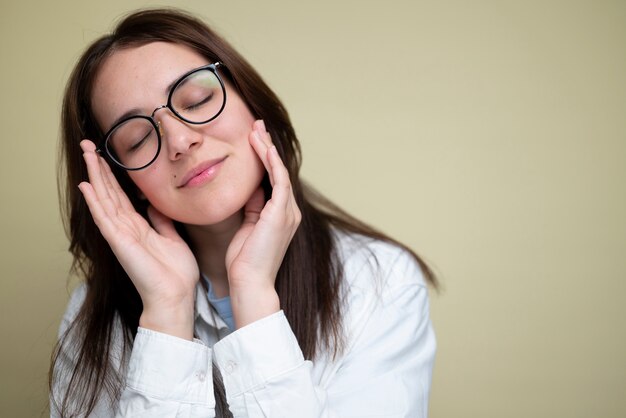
column 104, row 148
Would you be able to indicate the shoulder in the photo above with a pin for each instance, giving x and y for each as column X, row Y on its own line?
column 368, row 262
column 385, row 302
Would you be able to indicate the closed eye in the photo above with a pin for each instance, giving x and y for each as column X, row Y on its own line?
column 200, row 103
column 141, row 142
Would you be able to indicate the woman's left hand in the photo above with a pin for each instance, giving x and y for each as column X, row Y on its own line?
column 259, row 246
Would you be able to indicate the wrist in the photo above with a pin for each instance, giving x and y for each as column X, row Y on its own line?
column 250, row 305
column 177, row 321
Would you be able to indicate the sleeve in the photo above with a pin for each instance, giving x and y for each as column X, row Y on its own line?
column 166, row 376
column 385, row 370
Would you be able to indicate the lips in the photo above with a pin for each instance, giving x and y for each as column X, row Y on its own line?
column 201, row 173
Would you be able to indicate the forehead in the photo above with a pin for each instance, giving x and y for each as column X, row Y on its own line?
column 138, row 77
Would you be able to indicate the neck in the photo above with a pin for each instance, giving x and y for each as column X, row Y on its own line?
column 209, row 244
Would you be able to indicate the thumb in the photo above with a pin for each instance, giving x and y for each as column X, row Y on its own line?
column 252, row 210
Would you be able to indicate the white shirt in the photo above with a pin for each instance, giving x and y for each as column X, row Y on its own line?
column 384, row 371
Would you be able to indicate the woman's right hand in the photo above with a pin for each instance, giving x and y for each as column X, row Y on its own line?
column 157, row 260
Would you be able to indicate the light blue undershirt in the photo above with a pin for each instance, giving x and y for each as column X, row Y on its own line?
column 221, row 305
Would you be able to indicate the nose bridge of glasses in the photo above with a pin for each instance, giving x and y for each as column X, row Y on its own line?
column 157, row 109
column 174, row 137
column 158, row 121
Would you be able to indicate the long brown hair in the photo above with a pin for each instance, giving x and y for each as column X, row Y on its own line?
column 308, row 282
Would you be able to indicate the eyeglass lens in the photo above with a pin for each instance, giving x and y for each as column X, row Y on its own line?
column 198, row 98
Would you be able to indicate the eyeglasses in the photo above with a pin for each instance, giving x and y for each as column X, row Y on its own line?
column 197, row 97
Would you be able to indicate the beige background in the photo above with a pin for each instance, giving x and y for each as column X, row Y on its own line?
column 488, row 135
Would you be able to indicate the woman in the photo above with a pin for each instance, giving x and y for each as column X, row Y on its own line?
column 216, row 282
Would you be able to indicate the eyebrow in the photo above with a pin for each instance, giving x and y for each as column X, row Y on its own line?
column 132, row 112
column 137, row 112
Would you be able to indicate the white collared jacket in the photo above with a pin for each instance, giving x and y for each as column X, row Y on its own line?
column 384, row 371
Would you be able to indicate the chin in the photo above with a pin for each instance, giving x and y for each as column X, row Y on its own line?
column 218, row 210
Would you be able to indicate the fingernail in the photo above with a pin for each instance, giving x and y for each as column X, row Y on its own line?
column 262, row 125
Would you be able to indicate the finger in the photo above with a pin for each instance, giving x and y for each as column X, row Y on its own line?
column 87, row 145
column 265, row 135
column 260, row 147
column 281, row 189
column 162, row 224
column 99, row 214
column 254, row 206
column 116, row 189
column 94, row 171
column 109, row 179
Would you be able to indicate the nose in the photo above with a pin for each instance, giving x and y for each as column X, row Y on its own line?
column 177, row 137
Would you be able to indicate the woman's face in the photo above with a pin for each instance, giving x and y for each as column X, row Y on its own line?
column 138, row 78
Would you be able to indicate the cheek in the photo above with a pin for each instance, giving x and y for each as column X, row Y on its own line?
column 149, row 183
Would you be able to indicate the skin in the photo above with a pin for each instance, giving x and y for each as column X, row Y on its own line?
column 237, row 238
